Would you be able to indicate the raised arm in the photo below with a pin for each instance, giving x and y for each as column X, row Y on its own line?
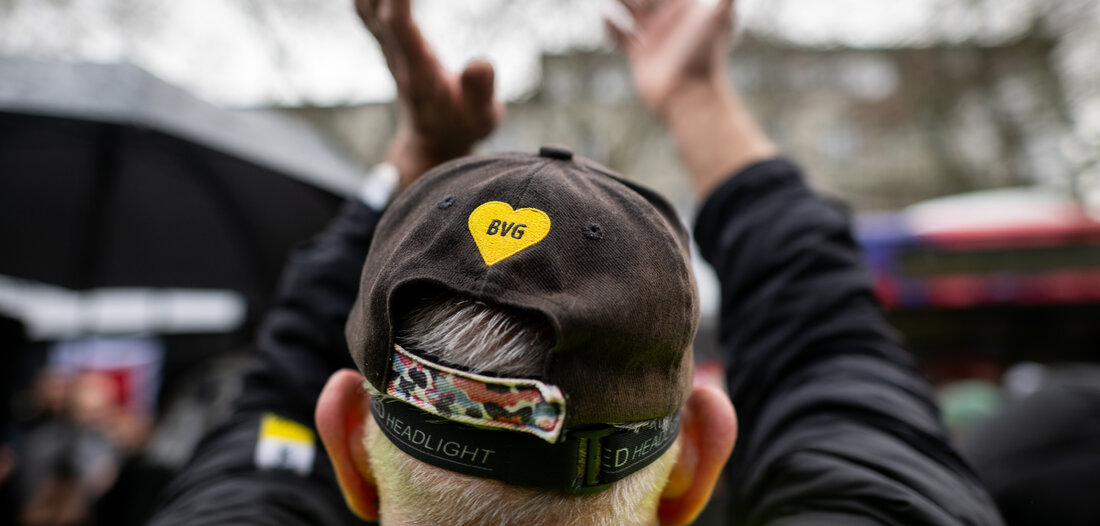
column 678, row 50
column 442, row 115
column 231, row 479
column 836, row 424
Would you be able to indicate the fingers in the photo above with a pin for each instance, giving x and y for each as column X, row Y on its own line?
column 368, row 11
column 397, row 16
column 623, row 37
column 641, row 10
column 724, row 10
column 722, row 18
column 409, row 57
column 363, row 8
column 420, row 61
column 477, row 86
column 477, row 82
column 671, row 13
column 401, row 10
column 634, row 7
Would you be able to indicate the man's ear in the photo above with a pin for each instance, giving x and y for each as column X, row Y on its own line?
column 341, row 416
column 708, row 429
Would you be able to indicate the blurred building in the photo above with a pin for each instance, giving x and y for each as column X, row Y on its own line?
column 879, row 128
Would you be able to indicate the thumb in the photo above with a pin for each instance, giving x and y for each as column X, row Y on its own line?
column 622, row 37
column 477, row 83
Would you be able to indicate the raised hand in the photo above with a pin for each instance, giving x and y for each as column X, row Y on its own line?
column 441, row 114
column 677, row 50
column 674, row 45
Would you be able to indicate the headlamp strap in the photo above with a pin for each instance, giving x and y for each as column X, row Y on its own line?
column 585, row 460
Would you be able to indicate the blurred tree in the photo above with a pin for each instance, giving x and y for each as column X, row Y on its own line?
column 946, row 95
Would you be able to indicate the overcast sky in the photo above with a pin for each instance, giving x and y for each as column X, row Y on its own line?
column 291, row 52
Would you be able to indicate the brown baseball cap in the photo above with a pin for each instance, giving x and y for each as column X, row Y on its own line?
column 604, row 260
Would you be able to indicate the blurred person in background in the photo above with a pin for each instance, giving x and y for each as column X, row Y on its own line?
column 75, row 425
column 68, row 462
column 13, row 339
column 836, row 426
column 75, row 445
column 1040, row 455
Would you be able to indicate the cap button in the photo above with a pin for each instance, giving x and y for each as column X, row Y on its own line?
column 556, row 152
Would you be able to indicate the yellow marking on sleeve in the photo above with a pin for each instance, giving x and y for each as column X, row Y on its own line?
column 274, row 426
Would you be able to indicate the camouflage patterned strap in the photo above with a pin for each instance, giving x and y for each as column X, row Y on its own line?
column 516, row 404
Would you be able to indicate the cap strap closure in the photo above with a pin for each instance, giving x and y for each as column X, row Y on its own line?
column 515, row 404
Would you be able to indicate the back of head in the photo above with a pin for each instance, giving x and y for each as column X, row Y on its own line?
column 1038, row 457
column 524, row 325
column 477, row 336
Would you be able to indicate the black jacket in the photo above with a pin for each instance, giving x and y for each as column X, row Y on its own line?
column 300, row 344
column 836, row 425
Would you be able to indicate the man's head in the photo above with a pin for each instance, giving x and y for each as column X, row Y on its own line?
column 524, row 327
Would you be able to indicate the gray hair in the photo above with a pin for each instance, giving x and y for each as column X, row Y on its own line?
column 482, row 337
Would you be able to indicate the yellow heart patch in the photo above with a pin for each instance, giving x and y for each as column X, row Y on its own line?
column 500, row 232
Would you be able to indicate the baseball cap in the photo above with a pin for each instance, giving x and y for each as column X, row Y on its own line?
column 605, row 261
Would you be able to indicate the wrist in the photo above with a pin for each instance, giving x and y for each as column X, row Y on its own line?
column 714, row 133
column 380, row 185
column 689, row 101
column 413, row 155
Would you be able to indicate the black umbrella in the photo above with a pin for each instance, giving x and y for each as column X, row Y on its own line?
column 110, row 177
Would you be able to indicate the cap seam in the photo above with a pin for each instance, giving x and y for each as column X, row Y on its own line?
column 519, row 197
column 669, row 235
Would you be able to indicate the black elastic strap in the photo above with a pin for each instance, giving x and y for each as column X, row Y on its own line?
column 585, row 460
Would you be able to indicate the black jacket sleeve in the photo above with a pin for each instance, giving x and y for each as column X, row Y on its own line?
column 836, row 424
column 299, row 345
